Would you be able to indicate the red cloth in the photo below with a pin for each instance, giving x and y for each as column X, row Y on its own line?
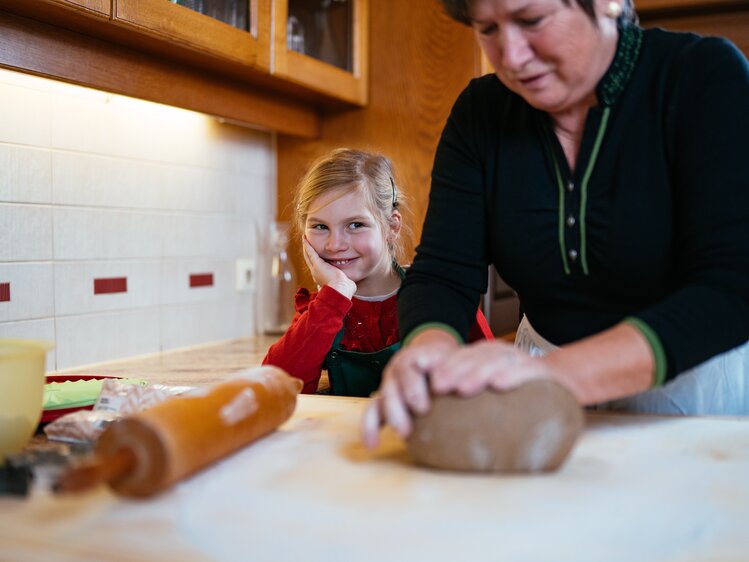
column 370, row 326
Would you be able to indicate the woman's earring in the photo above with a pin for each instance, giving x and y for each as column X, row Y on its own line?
column 613, row 10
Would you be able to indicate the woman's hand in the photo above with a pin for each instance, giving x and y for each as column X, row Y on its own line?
column 486, row 364
column 435, row 361
column 325, row 274
column 405, row 384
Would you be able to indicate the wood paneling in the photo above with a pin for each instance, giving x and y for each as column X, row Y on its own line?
column 644, row 7
column 732, row 25
column 420, row 60
column 100, row 6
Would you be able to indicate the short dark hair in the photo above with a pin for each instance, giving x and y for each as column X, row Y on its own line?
column 460, row 10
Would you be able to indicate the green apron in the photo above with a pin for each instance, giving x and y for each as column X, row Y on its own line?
column 353, row 373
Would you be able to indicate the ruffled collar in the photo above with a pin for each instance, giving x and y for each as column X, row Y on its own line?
column 617, row 76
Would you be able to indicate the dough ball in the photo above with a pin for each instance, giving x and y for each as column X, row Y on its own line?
column 531, row 428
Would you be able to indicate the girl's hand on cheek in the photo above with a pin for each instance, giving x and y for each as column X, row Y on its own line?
column 325, row 274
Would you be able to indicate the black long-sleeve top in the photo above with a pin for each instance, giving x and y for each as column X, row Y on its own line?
column 652, row 226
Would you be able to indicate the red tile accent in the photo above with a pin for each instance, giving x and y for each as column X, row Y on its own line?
column 4, row 292
column 110, row 285
column 201, row 280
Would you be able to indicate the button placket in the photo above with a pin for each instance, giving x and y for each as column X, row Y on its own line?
column 571, row 230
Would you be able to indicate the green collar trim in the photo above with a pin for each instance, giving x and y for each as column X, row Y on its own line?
column 617, row 77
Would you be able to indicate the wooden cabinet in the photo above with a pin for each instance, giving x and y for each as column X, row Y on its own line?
column 103, row 7
column 323, row 44
column 328, row 66
column 165, row 52
column 320, row 45
column 178, row 24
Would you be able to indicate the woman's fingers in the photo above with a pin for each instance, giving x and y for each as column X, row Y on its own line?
column 394, row 408
column 487, row 364
column 412, row 378
column 371, row 423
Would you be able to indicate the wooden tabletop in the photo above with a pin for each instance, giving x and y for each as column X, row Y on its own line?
column 635, row 488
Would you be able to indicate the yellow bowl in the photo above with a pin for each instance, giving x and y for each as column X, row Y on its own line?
column 21, row 391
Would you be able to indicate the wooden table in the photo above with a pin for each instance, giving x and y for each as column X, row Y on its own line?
column 635, row 488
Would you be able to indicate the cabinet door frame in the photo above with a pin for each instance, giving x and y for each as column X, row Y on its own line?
column 175, row 23
column 352, row 87
column 99, row 6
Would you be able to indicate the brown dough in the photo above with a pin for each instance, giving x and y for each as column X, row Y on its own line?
column 528, row 429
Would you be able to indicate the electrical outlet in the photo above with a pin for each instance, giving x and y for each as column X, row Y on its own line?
column 245, row 274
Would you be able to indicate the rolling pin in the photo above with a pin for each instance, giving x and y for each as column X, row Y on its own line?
column 145, row 453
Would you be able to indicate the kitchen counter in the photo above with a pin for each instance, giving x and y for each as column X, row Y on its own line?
column 635, row 488
column 187, row 367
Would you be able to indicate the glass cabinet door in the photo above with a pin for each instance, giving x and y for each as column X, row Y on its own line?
column 322, row 29
column 322, row 44
column 234, row 12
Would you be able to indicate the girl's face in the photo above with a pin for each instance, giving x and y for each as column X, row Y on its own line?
column 548, row 52
column 344, row 233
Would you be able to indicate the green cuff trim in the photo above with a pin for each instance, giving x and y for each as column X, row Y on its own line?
column 429, row 326
column 655, row 345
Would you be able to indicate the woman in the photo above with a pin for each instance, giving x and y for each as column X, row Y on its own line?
column 603, row 170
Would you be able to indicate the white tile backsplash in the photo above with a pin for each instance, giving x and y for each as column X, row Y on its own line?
column 198, row 189
column 90, row 234
column 25, row 232
column 26, row 115
column 200, row 235
column 95, row 185
column 102, row 181
column 93, row 338
column 74, row 286
column 31, row 294
column 195, row 323
column 26, row 175
column 175, row 280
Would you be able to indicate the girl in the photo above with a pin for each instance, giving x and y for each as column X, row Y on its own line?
column 348, row 209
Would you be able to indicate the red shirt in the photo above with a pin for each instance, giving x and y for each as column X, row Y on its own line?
column 369, row 326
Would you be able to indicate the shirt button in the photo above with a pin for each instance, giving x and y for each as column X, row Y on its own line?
column 570, row 221
column 572, row 255
column 570, row 186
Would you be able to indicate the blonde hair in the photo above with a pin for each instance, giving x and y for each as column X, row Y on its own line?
column 348, row 170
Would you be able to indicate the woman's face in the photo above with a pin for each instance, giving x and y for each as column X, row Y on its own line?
column 344, row 233
column 550, row 53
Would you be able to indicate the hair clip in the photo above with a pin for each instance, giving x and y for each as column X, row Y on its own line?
column 395, row 192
